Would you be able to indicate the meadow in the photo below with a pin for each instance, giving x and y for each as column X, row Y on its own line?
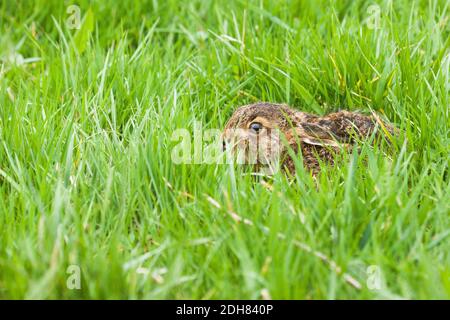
column 92, row 205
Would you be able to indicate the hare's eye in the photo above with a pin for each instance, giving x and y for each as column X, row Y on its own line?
column 256, row 126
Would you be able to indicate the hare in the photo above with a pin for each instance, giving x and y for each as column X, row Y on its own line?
column 267, row 131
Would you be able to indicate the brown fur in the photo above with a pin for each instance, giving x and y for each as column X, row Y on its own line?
column 318, row 138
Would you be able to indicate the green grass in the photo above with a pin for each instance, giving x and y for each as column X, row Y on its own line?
column 86, row 176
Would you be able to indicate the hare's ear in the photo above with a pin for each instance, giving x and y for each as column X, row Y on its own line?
column 314, row 134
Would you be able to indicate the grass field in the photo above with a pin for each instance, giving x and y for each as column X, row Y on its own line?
column 92, row 205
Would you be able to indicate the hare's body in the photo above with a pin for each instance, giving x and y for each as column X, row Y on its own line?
column 318, row 138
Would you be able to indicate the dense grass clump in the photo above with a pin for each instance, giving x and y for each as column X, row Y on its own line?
column 87, row 179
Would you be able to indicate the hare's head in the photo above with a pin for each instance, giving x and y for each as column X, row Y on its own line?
column 254, row 132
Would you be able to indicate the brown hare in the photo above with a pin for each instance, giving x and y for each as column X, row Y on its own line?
column 273, row 129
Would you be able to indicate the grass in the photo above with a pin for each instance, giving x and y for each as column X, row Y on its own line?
column 86, row 176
